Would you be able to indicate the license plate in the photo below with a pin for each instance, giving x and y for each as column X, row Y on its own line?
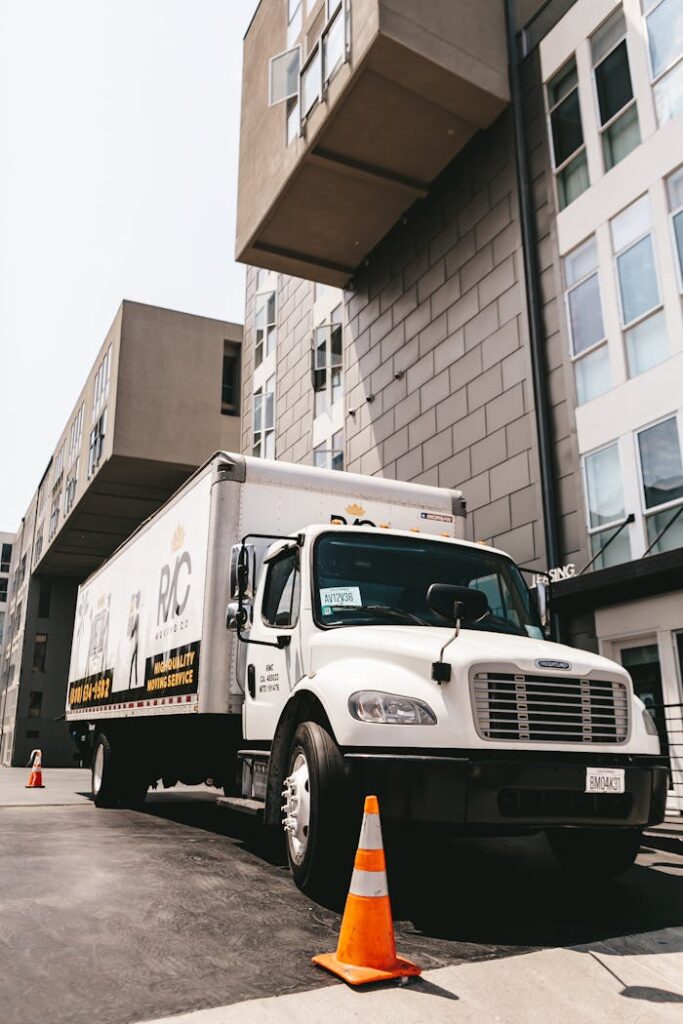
column 605, row 780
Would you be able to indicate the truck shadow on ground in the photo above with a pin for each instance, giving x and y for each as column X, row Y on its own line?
column 482, row 893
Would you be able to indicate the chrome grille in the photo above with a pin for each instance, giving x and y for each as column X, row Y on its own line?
column 549, row 709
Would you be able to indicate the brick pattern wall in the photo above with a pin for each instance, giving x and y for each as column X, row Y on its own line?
column 437, row 368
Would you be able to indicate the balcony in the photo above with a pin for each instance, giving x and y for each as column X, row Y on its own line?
column 350, row 110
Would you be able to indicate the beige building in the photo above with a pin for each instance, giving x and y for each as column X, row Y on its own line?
column 466, row 247
column 160, row 398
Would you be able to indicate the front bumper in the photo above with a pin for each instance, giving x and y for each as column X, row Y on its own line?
column 508, row 791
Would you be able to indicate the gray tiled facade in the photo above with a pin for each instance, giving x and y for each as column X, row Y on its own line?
column 437, row 373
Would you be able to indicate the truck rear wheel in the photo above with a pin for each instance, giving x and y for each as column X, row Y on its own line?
column 316, row 816
column 595, row 853
column 114, row 782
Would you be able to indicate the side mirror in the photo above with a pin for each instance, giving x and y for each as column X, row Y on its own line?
column 543, row 601
column 452, row 603
column 242, row 570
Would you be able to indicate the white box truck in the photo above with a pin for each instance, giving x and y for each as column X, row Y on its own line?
column 298, row 637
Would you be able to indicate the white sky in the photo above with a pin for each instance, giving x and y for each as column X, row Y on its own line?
column 119, row 129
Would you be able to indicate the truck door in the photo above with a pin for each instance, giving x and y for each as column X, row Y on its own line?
column 273, row 672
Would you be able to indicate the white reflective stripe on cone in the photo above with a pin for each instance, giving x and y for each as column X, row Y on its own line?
column 369, row 883
column 370, row 833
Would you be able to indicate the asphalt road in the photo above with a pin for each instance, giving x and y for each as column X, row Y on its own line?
column 121, row 916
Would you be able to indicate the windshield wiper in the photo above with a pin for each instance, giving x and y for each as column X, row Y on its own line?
column 397, row 612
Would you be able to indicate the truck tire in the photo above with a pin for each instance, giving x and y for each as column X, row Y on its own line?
column 595, row 853
column 114, row 783
column 319, row 839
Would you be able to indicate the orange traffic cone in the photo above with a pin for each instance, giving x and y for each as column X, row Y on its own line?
column 35, row 779
column 366, row 950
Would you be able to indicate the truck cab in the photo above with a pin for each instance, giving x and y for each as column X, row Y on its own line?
column 417, row 667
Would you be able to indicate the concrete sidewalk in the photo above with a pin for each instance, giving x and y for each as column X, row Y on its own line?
column 629, row 980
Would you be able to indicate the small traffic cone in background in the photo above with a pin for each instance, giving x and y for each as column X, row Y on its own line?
column 366, row 950
column 35, row 779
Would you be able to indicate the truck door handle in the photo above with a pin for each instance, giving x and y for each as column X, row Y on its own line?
column 251, row 681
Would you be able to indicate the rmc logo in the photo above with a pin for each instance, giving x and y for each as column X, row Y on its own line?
column 174, row 583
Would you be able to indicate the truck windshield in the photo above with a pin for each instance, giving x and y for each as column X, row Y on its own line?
column 376, row 579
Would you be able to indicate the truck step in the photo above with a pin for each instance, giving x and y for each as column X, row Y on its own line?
column 242, row 805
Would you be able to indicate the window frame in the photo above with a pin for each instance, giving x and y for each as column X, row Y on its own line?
column 656, row 79
column 604, row 528
column 603, row 129
column 627, row 328
column 603, row 342
column 558, row 169
column 675, row 502
column 280, row 557
column 261, row 437
column 289, row 49
column 262, row 346
column 673, row 213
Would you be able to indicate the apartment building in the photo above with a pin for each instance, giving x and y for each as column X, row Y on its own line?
column 464, row 226
column 160, row 398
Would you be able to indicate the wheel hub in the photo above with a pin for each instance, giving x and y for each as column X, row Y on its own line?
column 296, row 808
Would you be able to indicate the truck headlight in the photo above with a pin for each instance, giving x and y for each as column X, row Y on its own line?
column 650, row 727
column 389, row 709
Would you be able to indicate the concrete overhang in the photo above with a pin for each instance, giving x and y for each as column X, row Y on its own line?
column 122, row 495
column 418, row 82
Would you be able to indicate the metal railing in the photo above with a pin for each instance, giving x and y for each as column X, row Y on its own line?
column 669, row 721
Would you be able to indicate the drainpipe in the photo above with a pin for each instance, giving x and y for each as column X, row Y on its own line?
column 533, row 297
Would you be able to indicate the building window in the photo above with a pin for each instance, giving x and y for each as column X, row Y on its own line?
column 96, row 444
column 39, row 546
column 641, row 312
column 2, row 626
column 5, row 557
column 333, row 44
column 54, row 515
column 3, row 589
column 35, row 703
column 618, row 114
column 661, row 471
column 569, row 150
column 44, row 599
column 101, row 389
column 675, row 189
column 606, row 506
column 284, row 76
column 664, row 20
column 70, row 487
column 76, row 432
column 39, row 652
column 330, row 455
column 589, row 348
column 264, row 421
column 294, row 20
column 58, row 467
column 230, row 384
column 327, row 367
column 266, row 330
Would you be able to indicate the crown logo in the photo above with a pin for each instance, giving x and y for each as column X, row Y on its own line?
column 354, row 509
column 177, row 538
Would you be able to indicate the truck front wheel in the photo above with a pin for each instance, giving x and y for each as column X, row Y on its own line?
column 316, row 818
column 595, row 853
column 114, row 783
